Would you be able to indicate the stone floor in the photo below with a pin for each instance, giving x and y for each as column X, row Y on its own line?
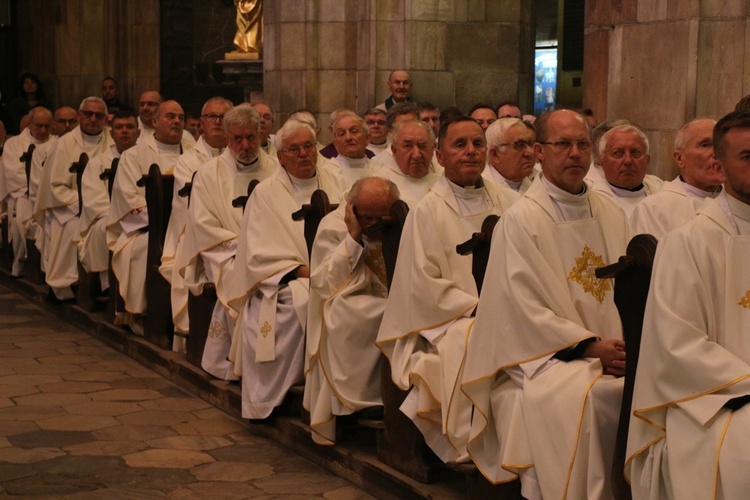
column 80, row 420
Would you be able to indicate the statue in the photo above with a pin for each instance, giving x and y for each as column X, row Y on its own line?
column 249, row 37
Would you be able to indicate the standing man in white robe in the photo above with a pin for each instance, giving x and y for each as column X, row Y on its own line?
column 688, row 429
column 510, row 161
column 433, row 294
column 271, row 273
column 700, row 178
column 92, row 230
column 56, row 207
column 209, row 244
column 546, row 348
column 13, row 183
column 127, row 222
column 351, row 137
column 210, row 144
column 413, row 147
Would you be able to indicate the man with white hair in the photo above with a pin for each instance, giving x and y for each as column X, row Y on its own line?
column 510, row 161
column 700, row 178
column 209, row 243
column 351, row 137
column 57, row 201
column 271, row 273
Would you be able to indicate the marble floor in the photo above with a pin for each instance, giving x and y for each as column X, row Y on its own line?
column 80, row 420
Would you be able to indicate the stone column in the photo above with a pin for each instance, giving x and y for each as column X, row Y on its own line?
column 662, row 63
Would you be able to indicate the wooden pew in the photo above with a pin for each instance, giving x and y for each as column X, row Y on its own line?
column 632, row 274
column 157, row 323
column 312, row 213
column 6, row 252
column 115, row 303
column 34, row 272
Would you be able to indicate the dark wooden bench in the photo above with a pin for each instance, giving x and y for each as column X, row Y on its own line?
column 34, row 272
column 115, row 303
column 312, row 213
column 632, row 275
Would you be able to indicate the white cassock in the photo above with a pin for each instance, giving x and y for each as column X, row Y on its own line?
column 209, row 244
column 352, row 169
column 268, row 343
column 385, row 159
column 427, row 316
column 491, row 174
column 92, row 230
column 190, row 161
column 628, row 199
column 674, row 205
column 695, row 357
column 347, row 299
column 56, row 206
column 532, row 410
column 14, row 191
column 128, row 217
column 411, row 189
column 378, row 148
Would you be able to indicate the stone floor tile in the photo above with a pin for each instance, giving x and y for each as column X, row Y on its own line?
column 11, row 428
column 41, row 344
column 125, row 395
column 28, row 379
column 232, row 471
column 20, row 353
column 210, row 414
column 210, row 427
column 122, row 492
column 131, row 382
column 9, row 391
column 49, row 438
column 215, row 491
column 111, row 408
column 177, row 404
column 106, row 448
column 22, row 456
column 300, row 483
column 295, row 464
column 245, row 437
column 29, row 307
column 48, row 368
column 9, row 472
column 80, row 359
column 98, row 350
column 347, row 493
column 155, row 417
column 134, row 432
column 6, row 402
column 46, row 399
column 16, row 362
column 4, row 443
column 80, row 387
column 30, row 413
column 7, row 371
column 175, row 392
column 123, row 365
column 78, row 423
column 64, row 331
column 167, row 459
column 94, row 376
column 270, row 454
column 9, row 319
column 190, row 442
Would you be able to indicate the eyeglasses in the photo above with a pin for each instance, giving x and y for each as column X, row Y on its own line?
column 309, row 147
column 93, row 114
column 519, row 145
column 370, row 123
column 565, row 146
column 213, row 117
column 618, row 154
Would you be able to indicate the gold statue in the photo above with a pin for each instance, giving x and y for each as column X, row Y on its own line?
column 249, row 37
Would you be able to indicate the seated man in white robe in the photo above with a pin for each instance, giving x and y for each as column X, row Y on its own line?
column 13, row 183
column 510, row 161
column 351, row 137
column 700, row 178
column 210, row 144
column 271, row 273
column 413, row 148
column 348, row 288
column 546, row 348
column 266, row 127
column 400, row 112
column 91, row 239
column 688, row 429
column 430, row 114
column 377, row 125
column 624, row 158
column 127, row 222
column 433, row 294
column 56, row 207
column 209, row 244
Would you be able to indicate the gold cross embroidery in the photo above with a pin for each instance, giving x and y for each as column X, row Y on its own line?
column 583, row 273
column 265, row 329
column 745, row 300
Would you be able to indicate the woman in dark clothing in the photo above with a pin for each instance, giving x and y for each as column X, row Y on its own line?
column 30, row 96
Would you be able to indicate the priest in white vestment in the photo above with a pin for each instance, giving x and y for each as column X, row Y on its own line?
column 351, row 137
column 510, row 159
column 544, row 353
column 210, row 144
column 348, row 289
column 413, row 149
column 377, row 125
column 14, row 190
column 92, row 230
column 266, row 127
column 700, row 178
column 127, row 222
column 433, row 294
column 623, row 159
column 271, row 273
column 688, row 429
column 56, row 208
column 148, row 103
column 209, row 244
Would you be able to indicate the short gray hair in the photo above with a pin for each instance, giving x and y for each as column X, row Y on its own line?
column 598, row 133
column 95, row 99
column 221, row 100
column 496, row 132
column 681, row 138
column 305, row 117
column 288, row 129
column 419, row 123
column 604, row 140
column 352, row 114
column 39, row 109
column 243, row 115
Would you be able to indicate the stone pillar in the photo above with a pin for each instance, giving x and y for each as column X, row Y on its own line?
column 328, row 54
column 660, row 64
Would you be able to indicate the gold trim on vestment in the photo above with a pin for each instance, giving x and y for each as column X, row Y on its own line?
column 583, row 273
column 718, row 453
column 745, row 300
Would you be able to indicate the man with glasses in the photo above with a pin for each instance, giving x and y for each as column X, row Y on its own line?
column 66, row 119
column 510, row 161
column 546, row 347
column 271, row 273
column 57, row 207
column 378, row 127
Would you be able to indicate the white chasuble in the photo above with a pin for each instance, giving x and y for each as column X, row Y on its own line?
column 411, row 189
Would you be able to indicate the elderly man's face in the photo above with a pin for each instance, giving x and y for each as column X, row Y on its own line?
column 484, row 117
column 169, row 121
column 400, row 85
column 299, row 154
column 41, row 126
column 147, row 105
column 412, row 150
column 66, row 119
column 350, row 138
column 508, row 110
column 514, row 158
column 625, row 159
column 566, row 154
column 266, row 120
column 212, row 123
column 432, row 118
column 463, row 153
column 696, row 160
column 735, row 163
column 244, row 142
column 378, row 128
column 92, row 117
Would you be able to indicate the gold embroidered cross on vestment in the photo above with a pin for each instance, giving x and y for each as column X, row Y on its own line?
column 745, row 300
column 583, row 273
column 265, row 329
